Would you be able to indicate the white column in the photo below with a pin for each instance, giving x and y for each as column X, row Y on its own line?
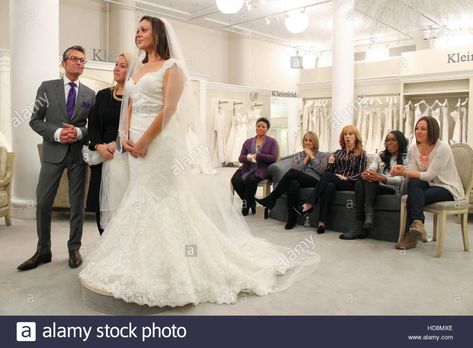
column 34, row 44
column 343, row 68
column 294, row 105
column 123, row 22
column 5, row 108
column 239, row 60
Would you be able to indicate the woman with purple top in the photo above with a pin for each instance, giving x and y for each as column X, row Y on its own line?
column 344, row 169
column 307, row 167
column 256, row 155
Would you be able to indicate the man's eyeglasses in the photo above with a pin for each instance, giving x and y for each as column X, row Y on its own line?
column 390, row 140
column 77, row 59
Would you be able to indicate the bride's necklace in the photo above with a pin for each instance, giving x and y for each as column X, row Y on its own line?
column 115, row 96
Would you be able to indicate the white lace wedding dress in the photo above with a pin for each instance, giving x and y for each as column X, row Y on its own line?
column 163, row 247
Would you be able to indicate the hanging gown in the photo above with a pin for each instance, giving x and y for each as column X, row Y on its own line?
column 409, row 125
column 219, row 129
column 238, row 133
column 436, row 114
column 457, row 129
column 253, row 114
column 445, row 123
column 464, row 117
column 306, row 115
column 166, row 245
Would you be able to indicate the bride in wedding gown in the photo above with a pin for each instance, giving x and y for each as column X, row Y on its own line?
column 173, row 240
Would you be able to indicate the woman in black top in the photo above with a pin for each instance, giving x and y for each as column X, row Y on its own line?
column 103, row 130
column 344, row 169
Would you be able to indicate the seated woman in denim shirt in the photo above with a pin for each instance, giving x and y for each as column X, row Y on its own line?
column 307, row 166
column 377, row 180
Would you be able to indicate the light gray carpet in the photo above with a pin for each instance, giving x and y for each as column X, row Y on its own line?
column 362, row 277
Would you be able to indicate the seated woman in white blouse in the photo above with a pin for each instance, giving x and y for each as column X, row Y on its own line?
column 432, row 175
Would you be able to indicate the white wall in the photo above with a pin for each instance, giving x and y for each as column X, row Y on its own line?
column 4, row 23
column 271, row 67
column 82, row 23
column 206, row 50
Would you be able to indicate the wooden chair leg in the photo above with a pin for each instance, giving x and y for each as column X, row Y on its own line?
column 8, row 220
column 402, row 222
column 441, row 233
column 434, row 236
column 464, row 222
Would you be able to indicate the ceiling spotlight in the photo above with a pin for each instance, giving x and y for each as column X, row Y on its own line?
column 229, row 6
column 297, row 22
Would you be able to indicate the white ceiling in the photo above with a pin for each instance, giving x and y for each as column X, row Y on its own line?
column 395, row 22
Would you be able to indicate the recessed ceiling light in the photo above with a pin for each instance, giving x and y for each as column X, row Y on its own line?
column 229, row 6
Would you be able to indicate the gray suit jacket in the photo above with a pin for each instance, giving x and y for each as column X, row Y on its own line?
column 50, row 113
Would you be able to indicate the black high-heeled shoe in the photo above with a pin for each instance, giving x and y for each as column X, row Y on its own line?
column 266, row 202
column 320, row 229
column 300, row 210
column 253, row 209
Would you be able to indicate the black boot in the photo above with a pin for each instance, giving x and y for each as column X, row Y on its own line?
column 368, row 224
column 355, row 232
column 244, row 208
column 267, row 202
column 291, row 219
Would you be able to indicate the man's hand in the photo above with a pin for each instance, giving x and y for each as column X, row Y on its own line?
column 68, row 134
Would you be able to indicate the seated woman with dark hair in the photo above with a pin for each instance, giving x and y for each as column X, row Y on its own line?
column 307, row 166
column 344, row 169
column 432, row 175
column 256, row 155
column 377, row 180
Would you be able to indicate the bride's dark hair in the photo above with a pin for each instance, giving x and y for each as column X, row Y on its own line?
column 161, row 46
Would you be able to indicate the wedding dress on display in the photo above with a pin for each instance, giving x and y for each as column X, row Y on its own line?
column 409, row 125
column 306, row 115
column 464, row 117
column 238, row 133
column 175, row 239
column 253, row 115
column 219, row 129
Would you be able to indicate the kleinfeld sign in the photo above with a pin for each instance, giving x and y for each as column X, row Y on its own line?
column 459, row 57
column 437, row 60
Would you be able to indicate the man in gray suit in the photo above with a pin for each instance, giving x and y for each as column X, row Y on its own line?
column 61, row 121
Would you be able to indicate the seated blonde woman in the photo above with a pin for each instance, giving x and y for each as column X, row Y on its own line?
column 344, row 169
column 307, row 166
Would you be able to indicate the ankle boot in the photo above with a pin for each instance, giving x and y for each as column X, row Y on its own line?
column 244, row 208
column 416, row 232
column 368, row 224
column 291, row 219
column 418, row 229
column 355, row 232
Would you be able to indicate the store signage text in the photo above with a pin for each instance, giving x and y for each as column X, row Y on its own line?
column 284, row 94
column 458, row 58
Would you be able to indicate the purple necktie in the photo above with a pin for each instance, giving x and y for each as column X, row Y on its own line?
column 71, row 100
